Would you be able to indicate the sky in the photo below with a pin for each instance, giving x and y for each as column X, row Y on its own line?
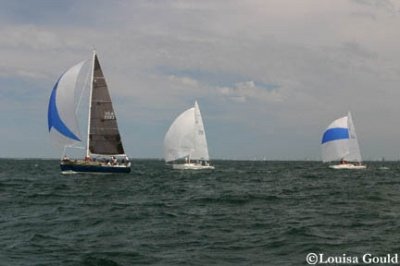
column 269, row 75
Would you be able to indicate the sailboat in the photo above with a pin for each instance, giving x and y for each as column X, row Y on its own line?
column 104, row 149
column 339, row 143
column 185, row 143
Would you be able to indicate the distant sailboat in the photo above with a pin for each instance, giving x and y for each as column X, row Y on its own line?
column 339, row 143
column 185, row 144
column 104, row 150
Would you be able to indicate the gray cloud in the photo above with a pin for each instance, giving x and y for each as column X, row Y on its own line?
column 269, row 74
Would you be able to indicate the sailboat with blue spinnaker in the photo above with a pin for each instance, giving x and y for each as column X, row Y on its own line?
column 339, row 143
column 104, row 149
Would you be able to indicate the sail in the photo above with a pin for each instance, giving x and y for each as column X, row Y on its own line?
column 201, row 149
column 179, row 140
column 354, row 149
column 186, row 137
column 62, row 122
column 335, row 140
column 339, row 141
column 104, row 137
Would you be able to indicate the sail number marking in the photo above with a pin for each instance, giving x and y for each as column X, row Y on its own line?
column 109, row 115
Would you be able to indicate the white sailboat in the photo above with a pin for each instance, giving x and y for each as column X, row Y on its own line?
column 339, row 143
column 185, row 143
column 104, row 150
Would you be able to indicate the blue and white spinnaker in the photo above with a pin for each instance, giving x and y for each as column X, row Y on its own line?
column 62, row 122
column 339, row 141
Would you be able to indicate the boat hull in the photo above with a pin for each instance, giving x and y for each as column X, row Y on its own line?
column 348, row 166
column 192, row 166
column 73, row 168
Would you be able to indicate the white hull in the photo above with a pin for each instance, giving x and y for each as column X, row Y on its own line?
column 348, row 166
column 191, row 166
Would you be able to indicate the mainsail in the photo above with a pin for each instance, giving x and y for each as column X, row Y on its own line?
column 339, row 141
column 201, row 149
column 186, row 137
column 104, row 137
column 354, row 149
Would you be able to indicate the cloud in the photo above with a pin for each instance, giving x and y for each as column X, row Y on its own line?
column 30, row 37
column 186, row 81
column 295, row 64
column 386, row 5
column 249, row 91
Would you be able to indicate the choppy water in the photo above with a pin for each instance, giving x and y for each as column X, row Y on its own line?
column 243, row 213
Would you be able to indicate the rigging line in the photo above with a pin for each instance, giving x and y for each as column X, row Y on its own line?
column 86, row 82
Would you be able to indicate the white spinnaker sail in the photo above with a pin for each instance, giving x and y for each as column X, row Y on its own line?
column 335, row 143
column 179, row 140
column 354, row 149
column 63, row 125
column 200, row 149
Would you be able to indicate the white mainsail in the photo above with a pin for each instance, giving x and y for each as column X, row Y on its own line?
column 186, row 137
column 339, row 141
column 354, row 149
column 201, row 149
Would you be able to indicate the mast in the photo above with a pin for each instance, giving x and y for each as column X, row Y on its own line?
column 90, row 106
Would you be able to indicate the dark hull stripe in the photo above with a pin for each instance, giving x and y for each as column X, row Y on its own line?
column 93, row 168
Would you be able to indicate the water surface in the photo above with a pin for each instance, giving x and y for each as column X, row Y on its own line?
column 242, row 213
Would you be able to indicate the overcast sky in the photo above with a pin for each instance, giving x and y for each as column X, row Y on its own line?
column 269, row 75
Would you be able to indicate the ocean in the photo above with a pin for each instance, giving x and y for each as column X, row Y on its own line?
column 242, row 213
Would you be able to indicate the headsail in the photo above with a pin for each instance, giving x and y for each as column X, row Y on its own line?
column 62, row 122
column 104, row 137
